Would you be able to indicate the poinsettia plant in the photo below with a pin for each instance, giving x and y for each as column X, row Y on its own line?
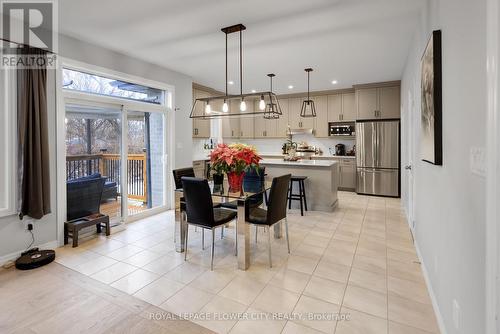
column 234, row 158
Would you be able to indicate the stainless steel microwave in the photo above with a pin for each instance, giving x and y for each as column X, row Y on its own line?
column 338, row 129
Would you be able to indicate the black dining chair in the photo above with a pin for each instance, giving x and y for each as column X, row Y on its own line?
column 200, row 211
column 179, row 173
column 276, row 210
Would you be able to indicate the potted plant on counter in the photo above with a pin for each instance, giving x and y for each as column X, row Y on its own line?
column 233, row 160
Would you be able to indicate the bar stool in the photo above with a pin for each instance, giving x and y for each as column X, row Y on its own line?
column 301, row 196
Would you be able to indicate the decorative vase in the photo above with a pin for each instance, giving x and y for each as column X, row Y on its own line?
column 218, row 179
column 235, row 181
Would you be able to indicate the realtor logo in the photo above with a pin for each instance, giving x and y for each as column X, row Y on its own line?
column 28, row 24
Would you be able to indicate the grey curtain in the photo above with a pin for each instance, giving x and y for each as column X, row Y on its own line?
column 33, row 139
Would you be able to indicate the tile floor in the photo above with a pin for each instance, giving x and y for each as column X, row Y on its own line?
column 357, row 263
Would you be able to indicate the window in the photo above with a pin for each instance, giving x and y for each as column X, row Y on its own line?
column 94, row 84
column 7, row 143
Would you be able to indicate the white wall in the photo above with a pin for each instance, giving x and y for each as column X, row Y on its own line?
column 13, row 236
column 449, row 199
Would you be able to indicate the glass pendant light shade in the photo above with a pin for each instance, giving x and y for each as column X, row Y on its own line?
column 225, row 107
column 208, row 109
column 243, row 105
column 262, row 103
column 308, row 108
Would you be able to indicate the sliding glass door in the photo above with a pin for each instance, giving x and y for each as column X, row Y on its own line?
column 115, row 131
column 145, row 164
column 93, row 151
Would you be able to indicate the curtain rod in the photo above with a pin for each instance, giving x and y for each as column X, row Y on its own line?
column 26, row 45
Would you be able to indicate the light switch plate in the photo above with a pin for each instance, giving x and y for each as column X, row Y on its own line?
column 478, row 161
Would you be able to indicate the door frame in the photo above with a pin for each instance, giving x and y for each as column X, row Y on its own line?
column 493, row 163
column 63, row 96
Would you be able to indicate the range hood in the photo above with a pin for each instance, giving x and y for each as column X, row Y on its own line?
column 300, row 131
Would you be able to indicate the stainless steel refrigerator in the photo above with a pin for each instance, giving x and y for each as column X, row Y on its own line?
column 377, row 158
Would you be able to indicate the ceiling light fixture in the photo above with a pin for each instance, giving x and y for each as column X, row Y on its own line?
column 308, row 108
column 273, row 109
column 203, row 107
column 254, row 91
column 334, row 82
column 290, row 87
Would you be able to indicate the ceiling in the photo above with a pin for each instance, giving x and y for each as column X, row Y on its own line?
column 351, row 41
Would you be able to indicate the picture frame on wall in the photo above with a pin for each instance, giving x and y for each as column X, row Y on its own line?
column 431, row 104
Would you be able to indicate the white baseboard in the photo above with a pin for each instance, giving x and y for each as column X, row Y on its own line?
column 12, row 256
column 432, row 295
column 425, row 273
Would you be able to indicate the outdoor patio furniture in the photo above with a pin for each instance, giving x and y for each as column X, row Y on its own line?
column 83, row 200
column 110, row 189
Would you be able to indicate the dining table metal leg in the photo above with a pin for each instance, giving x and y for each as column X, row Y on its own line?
column 180, row 225
column 243, row 235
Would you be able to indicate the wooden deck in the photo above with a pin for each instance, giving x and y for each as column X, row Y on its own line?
column 112, row 208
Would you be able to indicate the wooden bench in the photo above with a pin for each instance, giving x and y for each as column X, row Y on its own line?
column 72, row 227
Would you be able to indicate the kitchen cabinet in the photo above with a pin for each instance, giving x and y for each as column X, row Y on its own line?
column 389, row 102
column 321, row 119
column 199, row 168
column 348, row 107
column 231, row 125
column 297, row 122
column 283, row 122
column 264, row 128
column 335, row 108
column 380, row 102
column 201, row 127
column 246, row 123
column 341, row 108
column 367, row 103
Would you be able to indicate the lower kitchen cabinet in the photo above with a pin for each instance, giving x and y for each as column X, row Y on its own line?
column 347, row 174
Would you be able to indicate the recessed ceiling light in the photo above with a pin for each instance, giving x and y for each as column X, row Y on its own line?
column 254, row 91
column 230, row 82
column 290, row 87
column 334, row 82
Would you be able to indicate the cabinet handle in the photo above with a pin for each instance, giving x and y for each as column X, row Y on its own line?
column 232, row 133
column 340, row 117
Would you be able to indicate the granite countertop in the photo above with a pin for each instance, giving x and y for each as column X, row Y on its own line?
column 302, row 163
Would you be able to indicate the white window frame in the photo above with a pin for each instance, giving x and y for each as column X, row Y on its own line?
column 64, row 95
column 8, row 142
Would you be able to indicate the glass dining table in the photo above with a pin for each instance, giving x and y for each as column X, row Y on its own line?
column 252, row 190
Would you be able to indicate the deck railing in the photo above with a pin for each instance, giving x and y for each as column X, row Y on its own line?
column 108, row 165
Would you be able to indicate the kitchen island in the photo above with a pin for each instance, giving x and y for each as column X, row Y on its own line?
column 321, row 183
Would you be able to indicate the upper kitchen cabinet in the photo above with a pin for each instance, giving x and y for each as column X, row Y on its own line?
column 335, row 108
column 246, row 123
column 282, row 122
column 264, row 128
column 341, row 108
column 297, row 122
column 201, row 127
column 378, row 102
column 367, row 103
column 231, row 125
column 389, row 102
column 348, row 107
column 321, row 119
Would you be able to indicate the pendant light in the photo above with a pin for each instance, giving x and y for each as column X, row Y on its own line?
column 308, row 108
column 273, row 110
column 206, row 110
column 225, row 107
